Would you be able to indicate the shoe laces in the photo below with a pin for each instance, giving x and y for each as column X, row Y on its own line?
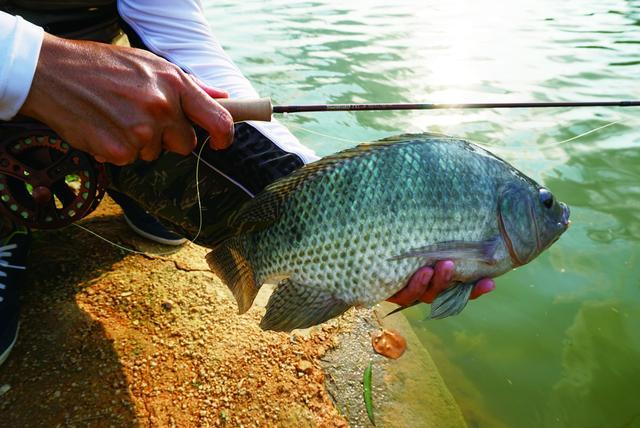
column 5, row 251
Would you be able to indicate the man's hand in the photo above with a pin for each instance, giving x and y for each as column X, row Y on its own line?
column 426, row 283
column 120, row 104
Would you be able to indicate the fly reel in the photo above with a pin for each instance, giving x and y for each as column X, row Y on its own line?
column 44, row 182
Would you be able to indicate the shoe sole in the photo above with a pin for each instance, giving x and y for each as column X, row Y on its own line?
column 6, row 353
column 159, row 240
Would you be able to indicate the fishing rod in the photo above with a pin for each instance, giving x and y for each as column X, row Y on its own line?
column 24, row 143
column 261, row 109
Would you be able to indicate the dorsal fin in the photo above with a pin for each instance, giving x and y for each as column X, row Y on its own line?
column 423, row 136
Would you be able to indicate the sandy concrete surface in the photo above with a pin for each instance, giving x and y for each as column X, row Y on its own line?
column 112, row 338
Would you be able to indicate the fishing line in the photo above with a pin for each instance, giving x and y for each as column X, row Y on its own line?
column 200, row 211
column 200, row 160
column 311, row 131
column 581, row 135
column 131, row 250
column 240, row 186
column 553, row 144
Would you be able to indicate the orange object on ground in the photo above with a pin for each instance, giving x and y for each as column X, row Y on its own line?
column 388, row 343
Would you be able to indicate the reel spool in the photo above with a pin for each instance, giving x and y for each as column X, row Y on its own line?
column 44, row 182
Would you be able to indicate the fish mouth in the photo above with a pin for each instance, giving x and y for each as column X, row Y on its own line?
column 565, row 215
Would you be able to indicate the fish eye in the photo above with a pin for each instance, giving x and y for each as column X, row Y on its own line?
column 546, row 197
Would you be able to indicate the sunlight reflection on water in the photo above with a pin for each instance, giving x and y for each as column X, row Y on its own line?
column 557, row 343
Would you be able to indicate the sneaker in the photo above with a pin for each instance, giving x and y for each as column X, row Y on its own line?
column 14, row 249
column 143, row 223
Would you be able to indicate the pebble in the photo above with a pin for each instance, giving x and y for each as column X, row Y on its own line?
column 4, row 389
column 304, row 366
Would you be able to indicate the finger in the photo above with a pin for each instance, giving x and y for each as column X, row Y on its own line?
column 146, row 140
column 206, row 112
column 118, row 154
column 150, row 152
column 97, row 142
column 179, row 138
column 441, row 279
column 106, row 147
column 415, row 288
column 211, row 91
column 483, row 286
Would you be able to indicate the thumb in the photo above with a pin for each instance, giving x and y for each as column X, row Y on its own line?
column 203, row 110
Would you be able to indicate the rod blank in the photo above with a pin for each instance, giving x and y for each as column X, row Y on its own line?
column 436, row 106
column 262, row 109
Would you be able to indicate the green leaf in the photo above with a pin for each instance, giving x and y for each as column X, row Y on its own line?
column 367, row 393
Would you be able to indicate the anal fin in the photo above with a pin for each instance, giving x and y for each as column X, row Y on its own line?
column 294, row 305
column 451, row 301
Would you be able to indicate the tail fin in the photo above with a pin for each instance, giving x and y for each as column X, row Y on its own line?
column 229, row 262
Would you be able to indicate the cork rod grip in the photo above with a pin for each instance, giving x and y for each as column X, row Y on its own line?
column 248, row 109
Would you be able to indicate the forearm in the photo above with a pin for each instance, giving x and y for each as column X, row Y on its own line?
column 179, row 32
column 20, row 44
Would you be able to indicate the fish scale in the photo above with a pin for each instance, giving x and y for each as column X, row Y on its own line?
column 341, row 226
column 380, row 211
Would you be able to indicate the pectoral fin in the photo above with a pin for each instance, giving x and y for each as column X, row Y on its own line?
column 455, row 250
column 451, row 301
column 295, row 305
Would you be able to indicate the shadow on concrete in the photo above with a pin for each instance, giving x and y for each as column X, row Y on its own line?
column 64, row 369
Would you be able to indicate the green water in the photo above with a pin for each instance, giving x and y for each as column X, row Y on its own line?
column 558, row 343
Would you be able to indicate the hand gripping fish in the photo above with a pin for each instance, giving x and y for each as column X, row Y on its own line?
column 351, row 228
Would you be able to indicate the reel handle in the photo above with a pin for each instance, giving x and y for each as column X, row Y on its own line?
column 248, row 109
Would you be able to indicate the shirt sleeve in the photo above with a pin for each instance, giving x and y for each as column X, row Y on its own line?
column 20, row 43
column 179, row 32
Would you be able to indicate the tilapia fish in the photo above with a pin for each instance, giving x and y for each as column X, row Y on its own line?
column 350, row 229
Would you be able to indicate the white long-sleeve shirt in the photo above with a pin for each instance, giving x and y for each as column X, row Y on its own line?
column 175, row 30
column 20, row 44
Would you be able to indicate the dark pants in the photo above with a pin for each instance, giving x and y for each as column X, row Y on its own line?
column 167, row 187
